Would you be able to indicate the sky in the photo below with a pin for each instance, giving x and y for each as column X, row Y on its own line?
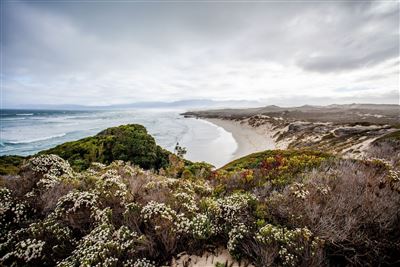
column 277, row 52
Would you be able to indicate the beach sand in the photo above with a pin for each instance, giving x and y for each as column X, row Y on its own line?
column 248, row 138
column 208, row 259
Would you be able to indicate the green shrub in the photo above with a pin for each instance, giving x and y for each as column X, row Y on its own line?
column 127, row 142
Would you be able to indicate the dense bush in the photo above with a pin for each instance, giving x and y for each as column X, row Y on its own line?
column 127, row 142
column 276, row 168
column 332, row 212
column 352, row 205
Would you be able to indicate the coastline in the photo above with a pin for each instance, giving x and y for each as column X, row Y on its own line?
column 249, row 140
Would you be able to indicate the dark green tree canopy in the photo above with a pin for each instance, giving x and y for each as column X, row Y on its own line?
column 127, row 142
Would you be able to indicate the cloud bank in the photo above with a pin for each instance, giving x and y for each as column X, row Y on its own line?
column 102, row 53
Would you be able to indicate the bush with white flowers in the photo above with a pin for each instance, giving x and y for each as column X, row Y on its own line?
column 234, row 206
column 236, row 235
column 104, row 246
column 143, row 262
column 11, row 210
column 291, row 244
column 49, row 164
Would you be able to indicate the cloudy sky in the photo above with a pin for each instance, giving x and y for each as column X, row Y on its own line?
column 278, row 52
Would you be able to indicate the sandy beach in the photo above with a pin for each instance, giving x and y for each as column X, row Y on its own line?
column 249, row 139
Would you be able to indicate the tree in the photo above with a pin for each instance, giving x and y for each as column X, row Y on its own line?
column 180, row 150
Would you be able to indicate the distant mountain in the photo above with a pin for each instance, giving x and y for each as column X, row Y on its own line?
column 189, row 103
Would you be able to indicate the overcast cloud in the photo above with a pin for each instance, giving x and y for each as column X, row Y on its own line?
column 101, row 53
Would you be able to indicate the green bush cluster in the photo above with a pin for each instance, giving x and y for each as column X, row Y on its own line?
column 127, row 142
column 277, row 168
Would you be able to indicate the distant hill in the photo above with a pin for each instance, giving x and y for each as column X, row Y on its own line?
column 189, row 103
column 347, row 113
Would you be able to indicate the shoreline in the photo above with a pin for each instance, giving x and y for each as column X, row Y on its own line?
column 249, row 139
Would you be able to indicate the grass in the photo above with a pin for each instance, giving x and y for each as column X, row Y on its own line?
column 10, row 165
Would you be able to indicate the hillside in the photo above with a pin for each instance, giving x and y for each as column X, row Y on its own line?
column 273, row 208
column 352, row 113
column 346, row 130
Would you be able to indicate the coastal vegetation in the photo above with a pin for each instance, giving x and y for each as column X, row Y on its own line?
column 128, row 142
column 10, row 164
column 118, row 199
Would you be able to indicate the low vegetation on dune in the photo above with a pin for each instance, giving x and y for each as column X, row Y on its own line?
column 273, row 208
column 387, row 147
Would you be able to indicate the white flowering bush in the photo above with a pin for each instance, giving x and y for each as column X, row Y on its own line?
column 78, row 209
column 167, row 225
column 236, row 235
column 298, row 190
column 203, row 227
column 122, row 215
column 50, row 164
column 186, row 201
column 12, row 212
column 143, row 262
column 292, row 245
column 163, row 218
column 111, row 188
column 104, row 246
column 234, row 208
column 58, row 236
column 29, row 249
column 6, row 203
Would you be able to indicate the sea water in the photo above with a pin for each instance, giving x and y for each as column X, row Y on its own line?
column 26, row 132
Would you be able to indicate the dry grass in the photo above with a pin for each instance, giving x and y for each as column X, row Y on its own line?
column 352, row 206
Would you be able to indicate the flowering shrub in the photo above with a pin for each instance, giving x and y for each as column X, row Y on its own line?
column 273, row 167
column 161, row 216
column 187, row 201
column 104, row 246
column 111, row 189
column 49, row 164
column 28, row 250
column 233, row 209
column 143, row 263
column 293, row 245
column 345, row 202
column 298, row 190
column 165, row 223
column 203, row 227
column 78, row 209
column 236, row 235
column 11, row 211
column 272, row 208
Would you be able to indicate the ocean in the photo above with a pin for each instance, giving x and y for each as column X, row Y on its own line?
column 26, row 132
